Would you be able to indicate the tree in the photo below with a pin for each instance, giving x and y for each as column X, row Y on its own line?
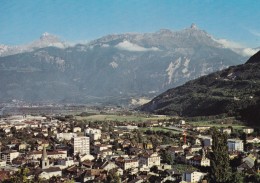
column 21, row 176
column 167, row 158
column 236, row 178
column 219, row 159
column 113, row 177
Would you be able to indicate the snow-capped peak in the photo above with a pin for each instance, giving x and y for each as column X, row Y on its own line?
column 45, row 34
column 45, row 40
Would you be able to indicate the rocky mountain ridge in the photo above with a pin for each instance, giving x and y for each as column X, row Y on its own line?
column 232, row 91
column 113, row 68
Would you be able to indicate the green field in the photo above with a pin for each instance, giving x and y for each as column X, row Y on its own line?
column 159, row 129
column 217, row 123
column 121, row 118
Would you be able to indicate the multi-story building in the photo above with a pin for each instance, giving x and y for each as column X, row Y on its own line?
column 81, row 145
column 50, row 154
column 127, row 163
column 93, row 134
column 65, row 136
column 192, row 176
column 9, row 155
column 207, row 142
column 149, row 160
column 235, row 145
column 248, row 130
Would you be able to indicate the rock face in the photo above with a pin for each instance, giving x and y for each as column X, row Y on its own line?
column 112, row 68
column 235, row 90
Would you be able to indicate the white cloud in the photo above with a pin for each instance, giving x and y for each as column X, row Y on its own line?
column 128, row 46
column 229, row 44
column 237, row 47
column 249, row 51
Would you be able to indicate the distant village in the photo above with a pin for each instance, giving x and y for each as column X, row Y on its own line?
column 62, row 149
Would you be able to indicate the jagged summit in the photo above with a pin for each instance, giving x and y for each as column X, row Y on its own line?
column 193, row 26
column 164, row 31
column 45, row 34
column 48, row 36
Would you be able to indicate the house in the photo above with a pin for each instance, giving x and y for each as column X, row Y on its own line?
column 207, row 142
column 76, row 129
column 22, row 146
column 195, row 148
column 248, row 130
column 192, row 176
column 247, row 163
column 226, row 130
column 84, row 157
column 197, row 141
column 252, row 140
column 9, row 155
column 148, row 145
column 173, row 151
column 149, row 159
column 235, row 145
column 127, row 163
column 98, row 148
column 201, row 128
column 199, row 160
column 93, row 134
column 51, row 154
column 65, row 163
column 108, row 165
column 182, row 122
column 65, row 136
column 2, row 163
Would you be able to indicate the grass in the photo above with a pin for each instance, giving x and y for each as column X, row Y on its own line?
column 218, row 123
column 120, row 118
column 159, row 129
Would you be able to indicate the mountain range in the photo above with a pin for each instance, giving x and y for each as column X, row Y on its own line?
column 112, row 69
column 232, row 91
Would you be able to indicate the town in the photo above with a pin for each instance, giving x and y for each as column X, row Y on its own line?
column 69, row 148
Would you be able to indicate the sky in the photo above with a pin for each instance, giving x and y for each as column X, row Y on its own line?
column 22, row 21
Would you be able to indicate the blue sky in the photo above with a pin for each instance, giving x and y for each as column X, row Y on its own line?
column 22, row 21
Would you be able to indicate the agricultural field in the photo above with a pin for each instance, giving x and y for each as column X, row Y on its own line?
column 219, row 123
column 121, row 118
column 159, row 129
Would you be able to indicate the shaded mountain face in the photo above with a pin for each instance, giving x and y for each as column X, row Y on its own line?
column 235, row 90
column 112, row 68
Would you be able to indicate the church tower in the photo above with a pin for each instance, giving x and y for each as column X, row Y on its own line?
column 45, row 160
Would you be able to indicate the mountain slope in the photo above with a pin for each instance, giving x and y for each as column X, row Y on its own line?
column 111, row 68
column 232, row 90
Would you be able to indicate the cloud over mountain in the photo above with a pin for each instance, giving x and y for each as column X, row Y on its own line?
column 128, row 46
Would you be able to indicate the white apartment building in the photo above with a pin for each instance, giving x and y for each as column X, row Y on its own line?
column 94, row 134
column 248, row 130
column 65, row 136
column 235, row 145
column 150, row 160
column 193, row 176
column 126, row 163
column 81, row 145
column 9, row 155
column 50, row 154
column 2, row 163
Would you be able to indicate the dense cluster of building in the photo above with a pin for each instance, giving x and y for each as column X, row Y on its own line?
column 90, row 154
